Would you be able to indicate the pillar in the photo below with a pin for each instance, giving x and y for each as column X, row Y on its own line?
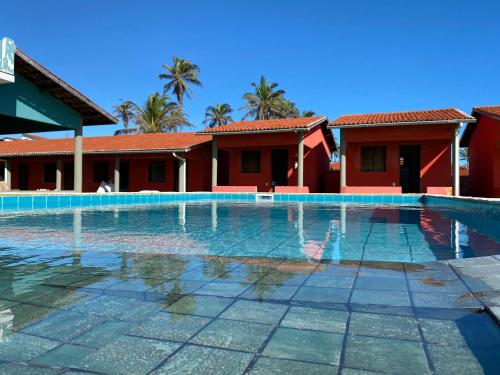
column 456, row 161
column 214, row 161
column 8, row 174
column 78, row 163
column 182, row 175
column 116, row 176
column 300, row 160
column 58, row 175
column 343, row 164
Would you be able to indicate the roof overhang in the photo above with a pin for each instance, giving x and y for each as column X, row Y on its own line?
column 469, row 130
column 311, row 126
column 49, row 83
column 393, row 124
column 96, row 152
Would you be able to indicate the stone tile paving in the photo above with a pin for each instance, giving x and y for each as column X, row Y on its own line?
column 257, row 316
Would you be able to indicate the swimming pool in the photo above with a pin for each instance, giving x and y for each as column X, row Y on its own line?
column 233, row 287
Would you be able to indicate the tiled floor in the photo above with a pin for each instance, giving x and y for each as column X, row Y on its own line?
column 244, row 316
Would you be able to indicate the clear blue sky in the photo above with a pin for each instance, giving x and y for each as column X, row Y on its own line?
column 333, row 57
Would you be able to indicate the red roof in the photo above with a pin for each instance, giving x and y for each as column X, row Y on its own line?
column 409, row 117
column 491, row 110
column 257, row 126
column 159, row 142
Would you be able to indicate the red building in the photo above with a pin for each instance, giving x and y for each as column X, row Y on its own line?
column 400, row 152
column 163, row 161
column 286, row 155
column 483, row 142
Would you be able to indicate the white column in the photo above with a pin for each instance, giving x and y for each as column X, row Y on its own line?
column 116, row 177
column 8, row 174
column 214, row 161
column 343, row 169
column 300, row 159
column 58, row 175
column 456, row 161
column 78, row 163
column 182, row 176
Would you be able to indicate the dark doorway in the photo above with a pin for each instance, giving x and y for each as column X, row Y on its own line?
column 222, row 167
column 68, row 181
column 24, row 177
column 176, row 175
column 279, row 167
column 409, row 169
column 124, row 176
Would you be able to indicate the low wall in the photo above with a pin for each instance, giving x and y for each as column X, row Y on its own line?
column 291, row 189
column 234, row 189
column 371, row 190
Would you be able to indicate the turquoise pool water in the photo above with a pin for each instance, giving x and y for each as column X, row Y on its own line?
column 233, row 288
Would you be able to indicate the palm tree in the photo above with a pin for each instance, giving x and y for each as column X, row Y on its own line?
column 125, row 112
column 266, row 102
column 464, row 155
column 289, row 109
column 159, row 114
column 308, row 114
column 218, row 115
column 179, row 77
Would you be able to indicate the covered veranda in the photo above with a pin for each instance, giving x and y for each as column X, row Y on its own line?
column 33, row 99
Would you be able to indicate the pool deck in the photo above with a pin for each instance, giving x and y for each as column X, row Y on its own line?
column 482, row 277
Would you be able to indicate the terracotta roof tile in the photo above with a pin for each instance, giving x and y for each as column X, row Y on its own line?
column 108, row 144
column 257, row 126
column 414, row 117
column 492, row 110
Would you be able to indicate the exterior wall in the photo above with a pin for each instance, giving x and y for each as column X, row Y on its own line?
column 484, row 159
column 435, row 154
column 316, row 158
column 198, row 171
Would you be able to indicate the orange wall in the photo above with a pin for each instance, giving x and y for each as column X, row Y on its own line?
column 435, row 154
column 484, row 159
column 316, row 157
column 198, row 178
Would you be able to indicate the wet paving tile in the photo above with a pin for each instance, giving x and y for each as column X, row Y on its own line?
column 222, row 289
column 230, row 334
column 386, row 355
column 270, row 292
column 66, row 355
column 64, row 325
column 210, row 306
column 167, row 326
column 330, row 282
column 446, row 300
column 140, row 311
column 64, row 298
column 316, row 319
column 322, row 295
column 105, row 305
column 380, row 325
column 431, row 285
column 378, row 283
column 379, row 297
column 268, row 366
column 256, row 312
column 129, row 355
column 103, row 334
column 21, row 347
column 458, row 360
column 21, row 315
column 312, row 346
column 15, row 369
column 209, row 361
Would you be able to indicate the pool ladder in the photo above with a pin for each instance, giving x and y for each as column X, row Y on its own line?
column 264, row 197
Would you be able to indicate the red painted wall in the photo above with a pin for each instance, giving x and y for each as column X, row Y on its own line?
column 316, row 157
column 435, row 154
column 198, row 171
column 484, row 159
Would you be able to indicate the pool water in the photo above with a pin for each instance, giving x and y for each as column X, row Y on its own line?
column 227, row 288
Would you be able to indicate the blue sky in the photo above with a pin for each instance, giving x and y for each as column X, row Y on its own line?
column 332, row 57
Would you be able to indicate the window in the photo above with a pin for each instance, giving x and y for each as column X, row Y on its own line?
column 373, row 158
column 157, row 171
column 2, row 170
column 50, row 172
column 101, row 171
column 250, row 161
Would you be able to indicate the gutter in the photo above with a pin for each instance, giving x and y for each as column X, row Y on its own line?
column 113, row 152
column 389, row 124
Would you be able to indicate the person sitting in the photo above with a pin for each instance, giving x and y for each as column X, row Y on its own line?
column 106, row 185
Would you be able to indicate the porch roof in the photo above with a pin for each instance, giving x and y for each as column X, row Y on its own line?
column 492, row 111
column 48, row 82
column 127, row 144
column 268, row 126
column 423, row 117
